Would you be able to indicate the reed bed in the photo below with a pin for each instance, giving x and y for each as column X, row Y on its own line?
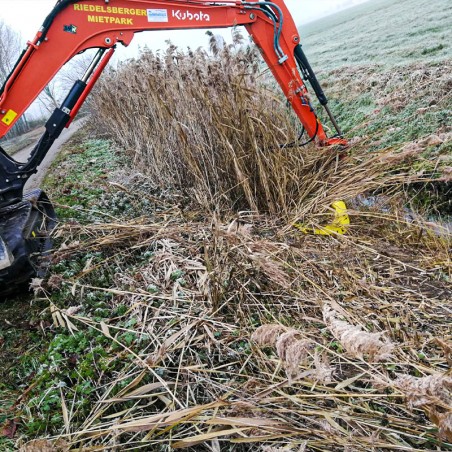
column 247, row 335
column 210, row 124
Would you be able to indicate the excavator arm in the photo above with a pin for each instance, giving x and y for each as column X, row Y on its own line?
column 74, row 26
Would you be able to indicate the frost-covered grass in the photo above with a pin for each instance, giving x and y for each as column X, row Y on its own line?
column 386, row 68
column 386, row 33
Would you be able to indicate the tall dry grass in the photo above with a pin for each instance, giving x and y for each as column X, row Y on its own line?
column 206, row 123
column 212, row 124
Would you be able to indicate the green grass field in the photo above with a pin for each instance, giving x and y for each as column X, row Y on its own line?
column 385, row 33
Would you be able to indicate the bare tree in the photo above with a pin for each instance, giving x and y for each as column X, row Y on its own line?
column 75, row 68
column 10, row 47
column 54, row 93
column 50, row 97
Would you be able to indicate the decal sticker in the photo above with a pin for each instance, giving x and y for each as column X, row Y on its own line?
column 110, row 10
column 9, row 117
column 70, row 29
column 157, row 15
column 110, row 20
column 187, row 15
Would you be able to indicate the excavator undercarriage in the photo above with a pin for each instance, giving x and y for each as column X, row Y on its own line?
column 73, row 26
column 25, row 242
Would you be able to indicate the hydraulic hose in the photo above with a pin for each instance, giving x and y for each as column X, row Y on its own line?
column 60, row 6
column 309, row 74
column 278, row 24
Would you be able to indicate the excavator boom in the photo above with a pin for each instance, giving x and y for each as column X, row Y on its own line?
column 74, row 26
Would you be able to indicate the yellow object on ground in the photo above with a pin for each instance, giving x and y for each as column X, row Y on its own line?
column 338, row 226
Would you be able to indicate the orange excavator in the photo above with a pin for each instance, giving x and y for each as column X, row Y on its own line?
column 73, row 26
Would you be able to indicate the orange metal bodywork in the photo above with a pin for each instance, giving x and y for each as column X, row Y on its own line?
column 104, row 24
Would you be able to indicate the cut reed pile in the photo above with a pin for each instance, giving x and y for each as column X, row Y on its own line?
column 239, row 335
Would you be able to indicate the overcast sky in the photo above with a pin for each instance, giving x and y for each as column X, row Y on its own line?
column 26, row 16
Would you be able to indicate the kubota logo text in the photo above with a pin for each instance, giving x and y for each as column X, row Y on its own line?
column 187, row 15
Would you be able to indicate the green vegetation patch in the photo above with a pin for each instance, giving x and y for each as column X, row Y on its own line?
column 40, row 360
column 78, row 178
